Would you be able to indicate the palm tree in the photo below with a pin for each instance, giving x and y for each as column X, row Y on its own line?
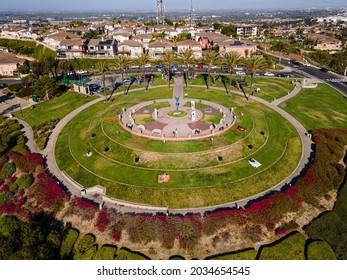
column 255, row 63
column 210, row 58
column 187, row 56
column 142, row 60
column 121, row 62
column 168, row 57
column 231, row 60
column 101, row 66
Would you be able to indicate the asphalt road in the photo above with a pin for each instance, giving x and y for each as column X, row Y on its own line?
column 337, row 81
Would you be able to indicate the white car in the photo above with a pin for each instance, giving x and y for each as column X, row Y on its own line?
column 240, row 73
column 135, row 67
column 148, row 66
column 269, row 74
column 306, row 64
column 81, row 72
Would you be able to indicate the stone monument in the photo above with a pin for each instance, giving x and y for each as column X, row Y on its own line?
column 193, row 116
column 192, row 105
column 177, row 103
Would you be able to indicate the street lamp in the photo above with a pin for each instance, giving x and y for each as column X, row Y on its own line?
column 20, row 107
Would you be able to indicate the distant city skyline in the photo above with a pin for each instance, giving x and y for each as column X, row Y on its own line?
column 149, row 5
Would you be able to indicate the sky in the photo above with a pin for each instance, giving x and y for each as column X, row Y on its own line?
column 148, row 5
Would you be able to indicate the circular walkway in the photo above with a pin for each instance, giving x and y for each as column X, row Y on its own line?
column 123, row 206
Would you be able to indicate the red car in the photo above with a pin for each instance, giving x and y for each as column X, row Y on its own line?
column 199, row 66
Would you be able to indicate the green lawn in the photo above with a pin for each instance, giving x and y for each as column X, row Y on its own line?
column 321, row 107
column 44, row 116
column 197, row 179
column 56, row 108
column 272, row 88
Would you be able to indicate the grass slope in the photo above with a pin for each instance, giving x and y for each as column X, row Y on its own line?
column 321, row 107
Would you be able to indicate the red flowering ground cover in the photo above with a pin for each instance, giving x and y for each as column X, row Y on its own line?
column 47, row 193
column 84, row 208
column 28, row 163
column 102, row 221
column 322, row 176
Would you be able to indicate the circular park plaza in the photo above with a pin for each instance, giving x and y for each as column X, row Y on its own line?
column 180, row 148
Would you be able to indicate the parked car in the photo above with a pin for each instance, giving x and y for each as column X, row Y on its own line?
column 118, row 84
column 3, row 85
column 135, row 67
column 281, row 75
column 240, row 73
column 199, row 66
column 306, row 64
column 129, row 80
column 269, row 74
column 148, row 66
column 323, row 69
column 81, row 72
column 94, row 87
column 294, row 61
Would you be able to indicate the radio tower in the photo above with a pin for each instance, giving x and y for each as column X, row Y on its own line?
column 160, row 12
column 191, row 16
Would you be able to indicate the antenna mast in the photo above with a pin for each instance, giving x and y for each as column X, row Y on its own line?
column 160, row 11
column 191, row 16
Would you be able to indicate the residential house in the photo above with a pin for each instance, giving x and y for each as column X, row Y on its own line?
column 11, row 32
column 244, row 48
column 247, row 30
column 92, row 47
column 210, row 39
column 121, row 36
column 157, row 48
column 70, row 48
column 190, row 44
column 205, row 29
column 105, row 48
column 143, row 39
column 108, row 47
column 130, row 48
column 324, row 43
column 9, row 63
column 54, row 39
column 27, row 34
column 170, row 32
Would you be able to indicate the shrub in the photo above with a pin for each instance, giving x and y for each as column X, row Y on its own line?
column 14, row 187
column 25, row 92
column 25, row 181
column 69, row 238
column 47, row 193
column 29, row 163
column 319, row 250
column 5, row 197
column 4, row 188
column 102, row 221
column 84, row 208
column 83, row 245
column 106, row 252
column 7, row 170
column 15, row 87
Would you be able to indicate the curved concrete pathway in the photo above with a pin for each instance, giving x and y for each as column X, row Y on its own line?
column 123, row 206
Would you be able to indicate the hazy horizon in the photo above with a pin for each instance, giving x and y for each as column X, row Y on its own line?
column 170, row 5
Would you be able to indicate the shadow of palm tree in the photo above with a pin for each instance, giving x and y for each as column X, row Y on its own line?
column 205, row 77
